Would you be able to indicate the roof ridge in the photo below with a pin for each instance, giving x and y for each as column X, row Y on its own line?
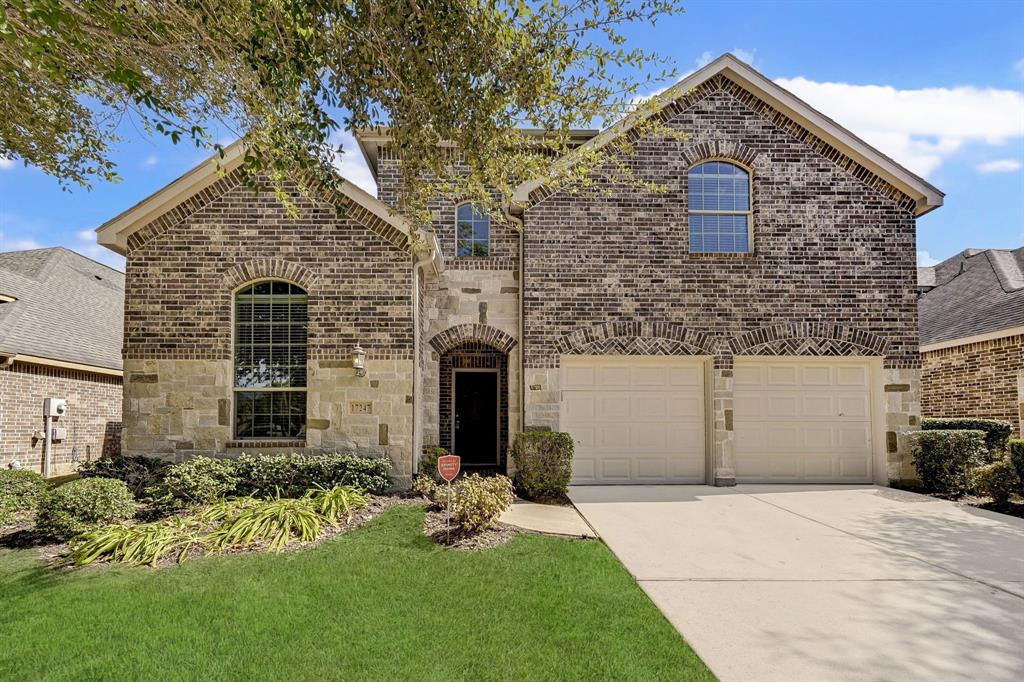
column 1007, row 271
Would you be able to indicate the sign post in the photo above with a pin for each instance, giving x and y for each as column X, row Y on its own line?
column 448, row 468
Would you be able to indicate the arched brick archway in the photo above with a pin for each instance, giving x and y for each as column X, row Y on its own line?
column 269, row 268
column 480, row 333
column 809, row 338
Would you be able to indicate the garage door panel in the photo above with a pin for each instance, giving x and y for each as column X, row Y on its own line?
column 642, row 420
column 802, row 421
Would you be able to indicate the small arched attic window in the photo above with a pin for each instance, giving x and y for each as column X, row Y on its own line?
column 720, row 208
column 472, row 232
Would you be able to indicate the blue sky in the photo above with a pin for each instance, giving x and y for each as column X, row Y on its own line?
column 939, row 86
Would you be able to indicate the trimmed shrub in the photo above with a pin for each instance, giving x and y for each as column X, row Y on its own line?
column 199, row 480
column 476, row 501
column 20, row 489
column 295, row 474
column 998, row 480
column 944, row 458
column 80, row 505
column 1015, row 452
column 428, row 463
column 543, row 461
column 137, row 472
column 997, row 432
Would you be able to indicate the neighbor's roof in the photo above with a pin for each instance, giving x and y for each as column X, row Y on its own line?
column 924, row 194
column 115, row 232
column 977, row 292
column 66, row 307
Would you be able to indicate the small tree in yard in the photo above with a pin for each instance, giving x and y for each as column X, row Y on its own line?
column 471, row 73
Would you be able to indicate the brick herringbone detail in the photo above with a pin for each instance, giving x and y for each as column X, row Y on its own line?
column 809, row 338
column 634, row 338
column 482, row 333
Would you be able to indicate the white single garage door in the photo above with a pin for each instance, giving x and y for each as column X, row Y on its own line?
column 634, row 419
column 802, row 421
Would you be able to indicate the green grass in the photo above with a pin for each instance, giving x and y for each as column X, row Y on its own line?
column 380, row 602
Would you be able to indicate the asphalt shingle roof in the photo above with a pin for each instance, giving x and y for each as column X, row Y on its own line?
column 67, row 307
column 975, row 292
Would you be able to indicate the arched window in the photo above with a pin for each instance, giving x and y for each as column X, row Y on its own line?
column 719, row 202
column 473, row 231
column 271, row 324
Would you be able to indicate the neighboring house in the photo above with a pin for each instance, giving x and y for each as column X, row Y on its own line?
column 972, row 336
column 60, row 338
column 755, row 321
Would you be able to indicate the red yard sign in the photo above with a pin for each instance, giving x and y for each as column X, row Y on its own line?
column 448, row 467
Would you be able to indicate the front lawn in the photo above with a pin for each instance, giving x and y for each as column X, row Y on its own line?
column 383, row 601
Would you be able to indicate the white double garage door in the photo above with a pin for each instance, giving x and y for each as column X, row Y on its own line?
column 646, row 419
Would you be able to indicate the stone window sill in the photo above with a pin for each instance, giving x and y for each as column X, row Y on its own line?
column 266, row 443
column 741, row 256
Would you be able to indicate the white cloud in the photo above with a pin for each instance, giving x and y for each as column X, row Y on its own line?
column 350, row 163
column 149, row 161
column 999, row 166
column 85, row 244
column 706, row 57
column 1018, row 66
column 5, row 163
column 925, row 260
column 918, row 128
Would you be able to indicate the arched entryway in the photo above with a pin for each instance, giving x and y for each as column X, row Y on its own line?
column 473, row 405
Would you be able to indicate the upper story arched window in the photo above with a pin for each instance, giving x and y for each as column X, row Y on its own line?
column 720, row 213
column 472, row 231
column 271, row 326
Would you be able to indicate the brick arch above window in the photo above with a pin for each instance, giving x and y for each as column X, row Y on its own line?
column 447, row 340
column 635, row 338
column 721, row 150
column 809, row 338
column 269, row 268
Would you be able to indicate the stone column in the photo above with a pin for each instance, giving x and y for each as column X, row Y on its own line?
column 902, row 387
column 722, row 434
column 1020, row 404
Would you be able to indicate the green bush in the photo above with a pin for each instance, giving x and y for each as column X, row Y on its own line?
column 198, row 480
column 998, row 480
column 78, row 506
column 1015, row 451
column 428, row 463
column 137, row 472
column 476, row 501
column 997, row 432
column 944, row 458
column 20, row 490
column 295, row 474
column 543, row 461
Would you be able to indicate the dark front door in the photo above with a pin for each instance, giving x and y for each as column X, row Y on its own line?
column 476, row 417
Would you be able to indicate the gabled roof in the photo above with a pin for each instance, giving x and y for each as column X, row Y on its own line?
column 66, row 308
column 974, row 293
column 925, row 196
column 114, row 233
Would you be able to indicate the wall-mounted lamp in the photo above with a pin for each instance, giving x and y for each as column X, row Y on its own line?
column 359, row 361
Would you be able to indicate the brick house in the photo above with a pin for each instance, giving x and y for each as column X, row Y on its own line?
column 755, row 321
column 972, row 336
column 60, row 338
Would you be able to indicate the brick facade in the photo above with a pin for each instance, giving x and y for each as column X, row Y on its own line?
column 983, row 379
column 832, row 270
column 93, row 419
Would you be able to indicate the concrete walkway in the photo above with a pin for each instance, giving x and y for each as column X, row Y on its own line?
column 547, row 518
column 824, row 582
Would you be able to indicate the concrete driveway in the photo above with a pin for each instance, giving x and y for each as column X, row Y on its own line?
column 824, row 582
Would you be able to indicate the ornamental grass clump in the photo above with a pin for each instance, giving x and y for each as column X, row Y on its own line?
column 342, row 500
column 141, row 544
column 276, row 522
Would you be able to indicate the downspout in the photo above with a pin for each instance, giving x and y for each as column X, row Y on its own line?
column 47, row 445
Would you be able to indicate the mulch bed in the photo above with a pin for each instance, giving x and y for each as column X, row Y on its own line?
column 1010, row 508
column 435, row 528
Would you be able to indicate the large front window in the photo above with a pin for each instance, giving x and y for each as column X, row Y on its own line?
column 719, row 202
column 271, row 324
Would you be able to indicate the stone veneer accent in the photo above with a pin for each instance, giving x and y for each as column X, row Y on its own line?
column 607, row 268
column 983, row 379
column 93, row 420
